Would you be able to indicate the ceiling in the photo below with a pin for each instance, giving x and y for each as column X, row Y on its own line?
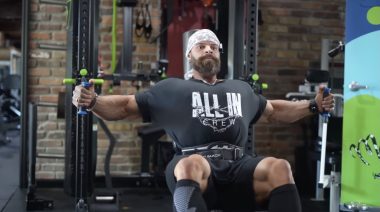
column 10, row 21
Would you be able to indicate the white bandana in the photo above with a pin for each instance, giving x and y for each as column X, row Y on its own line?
column 199, row 36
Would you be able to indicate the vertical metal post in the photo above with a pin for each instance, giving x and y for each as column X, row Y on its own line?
column 83, row 181
column 94, row 66
column 70, row 115
column 334, row 190
column 24, row 95
column 325, row 60
column 236, row 33
column 32, row 140
column 242, row 38
column 251, row 41
column 82, row 53
column 319, row 196
column 222, row 33
column 127, row 51
column 124, row 64
column 251, row 38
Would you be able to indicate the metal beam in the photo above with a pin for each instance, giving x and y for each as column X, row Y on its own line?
column 251, row 38
column 235, row 39
column 54, row 2
column 24, row 95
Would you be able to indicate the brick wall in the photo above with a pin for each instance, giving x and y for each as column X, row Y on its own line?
column 289, row 44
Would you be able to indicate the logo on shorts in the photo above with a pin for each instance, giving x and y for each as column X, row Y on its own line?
column 207, row 109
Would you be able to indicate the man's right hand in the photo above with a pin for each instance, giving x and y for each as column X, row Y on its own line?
column 83, row 97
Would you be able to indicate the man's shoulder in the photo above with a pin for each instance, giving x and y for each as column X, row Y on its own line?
column 171, row 80
column 236, row 82
column 168, row 83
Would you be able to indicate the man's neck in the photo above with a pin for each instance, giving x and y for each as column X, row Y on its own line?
column 208, row 79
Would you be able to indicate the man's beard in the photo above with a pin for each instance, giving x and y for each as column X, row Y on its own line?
column 207, row 65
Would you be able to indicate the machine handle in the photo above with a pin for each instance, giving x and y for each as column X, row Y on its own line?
column 355, row 86
column 325, row 114
column 85, row 84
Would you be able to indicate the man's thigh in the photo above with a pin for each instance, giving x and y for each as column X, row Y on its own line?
column 236, row 192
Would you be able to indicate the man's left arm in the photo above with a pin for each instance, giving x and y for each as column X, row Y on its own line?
column 283, row 111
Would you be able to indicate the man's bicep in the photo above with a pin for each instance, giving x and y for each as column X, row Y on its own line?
column 131, row 108
column 268, row 112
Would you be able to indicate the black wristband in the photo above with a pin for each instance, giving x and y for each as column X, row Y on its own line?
column 313, row 106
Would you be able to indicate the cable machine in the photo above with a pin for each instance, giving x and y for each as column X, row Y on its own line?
column 81, row 126
column 81, row 131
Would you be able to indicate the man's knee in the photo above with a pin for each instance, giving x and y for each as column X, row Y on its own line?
column 194, row 167
column 269, row 174
column 280, row 172
column 273, row 171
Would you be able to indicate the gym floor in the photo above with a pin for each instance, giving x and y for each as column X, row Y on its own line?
column 9, row 172
column 12, row 198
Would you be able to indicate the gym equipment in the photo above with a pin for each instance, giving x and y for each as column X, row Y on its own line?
column 34, row 203
column 308, row 157
column 332, row 180
column 253, row 80
column 106, row 199
column 242, row 41
column 9, row 105
column 143, row 22
column 322, row 183
column 149, row 135
column 81, row 155
column 313, row 78
column 123, row 69
column 102, row 200
column 82, row 138
column 82, row 58
column 55, row 2
column 338, row 49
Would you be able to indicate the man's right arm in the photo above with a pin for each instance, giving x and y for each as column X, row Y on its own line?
column 110, row 107
column 116, row 107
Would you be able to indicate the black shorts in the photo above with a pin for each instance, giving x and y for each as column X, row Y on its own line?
column 230, row 186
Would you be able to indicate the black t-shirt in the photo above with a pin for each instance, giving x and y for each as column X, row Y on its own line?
column 194, row 113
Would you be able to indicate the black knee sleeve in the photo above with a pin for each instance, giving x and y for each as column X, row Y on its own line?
column 285, row 199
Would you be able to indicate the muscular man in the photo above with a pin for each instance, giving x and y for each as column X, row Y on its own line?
column 208, row 120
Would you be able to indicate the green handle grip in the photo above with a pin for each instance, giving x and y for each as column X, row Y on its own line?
column 73, row 81
column 69, row 81
column 97, row 81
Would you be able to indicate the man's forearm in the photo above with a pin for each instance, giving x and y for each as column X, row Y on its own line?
column 289, row 111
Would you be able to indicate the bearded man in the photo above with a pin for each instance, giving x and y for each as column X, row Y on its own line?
column 208, row 120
